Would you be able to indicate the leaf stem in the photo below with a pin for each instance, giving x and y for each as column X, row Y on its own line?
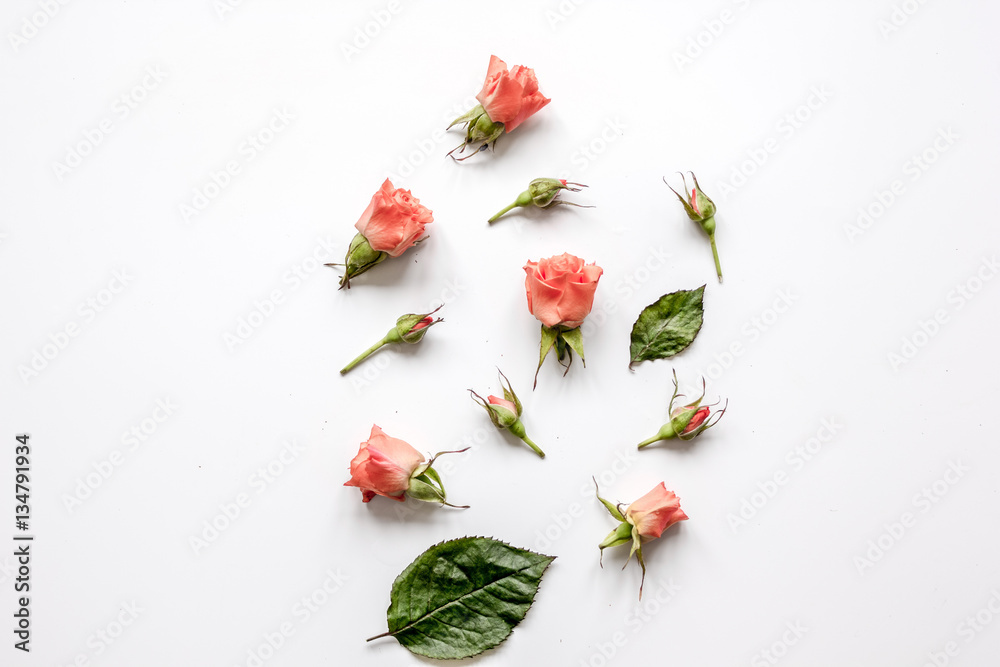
column 364, row 355
column 384, row 634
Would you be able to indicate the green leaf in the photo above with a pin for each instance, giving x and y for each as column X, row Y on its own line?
column 668, row 326
column 464, row 596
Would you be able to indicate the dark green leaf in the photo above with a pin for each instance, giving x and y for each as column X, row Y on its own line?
column 668, row 326
column 462, row 597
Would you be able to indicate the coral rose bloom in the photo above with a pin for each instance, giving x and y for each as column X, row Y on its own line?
column 655, row 512
column 394, row 220
column 383, row 466
column 510, row 97
column 561, row 289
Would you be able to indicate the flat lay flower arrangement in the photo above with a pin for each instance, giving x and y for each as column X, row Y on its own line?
column 465, row 595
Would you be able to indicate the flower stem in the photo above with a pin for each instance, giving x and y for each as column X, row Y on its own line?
column 505, row 210
column 655, row 438
column 529, row 443
column 715, row 253
column 364, row 355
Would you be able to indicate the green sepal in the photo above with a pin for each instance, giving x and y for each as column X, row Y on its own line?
column 549, row 338
column 574, row 338
column 620, row 535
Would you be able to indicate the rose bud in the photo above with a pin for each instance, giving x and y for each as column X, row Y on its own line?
column 643, row 520
column 701, row 209
column 410, row 328
column 505, row 413
column 687, row 421
column 542, row 192
column 393, row 221
column 506, row 100
column 560, row 293
column 390, row 467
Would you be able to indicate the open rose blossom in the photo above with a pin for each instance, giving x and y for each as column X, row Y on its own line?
column 507, row 99
column 390, row 467
column 655, row 512
column 643, row 520
column 393, row 221
column 686, row 421
column 560, row 293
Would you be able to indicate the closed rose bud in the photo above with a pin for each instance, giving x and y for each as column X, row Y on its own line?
column 505, row 413
column 700, row 209
column 543, row 192
column 507, row 99
column 410, row 328
column 393, row 222
column 642, row 521
column 686, row 421
column 390, row 467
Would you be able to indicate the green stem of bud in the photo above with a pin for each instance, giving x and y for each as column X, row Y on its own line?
column 523, row 199
column 715, row 253
column 529, row 443
column 665, row 433
column 364, row 355
column 517, row 428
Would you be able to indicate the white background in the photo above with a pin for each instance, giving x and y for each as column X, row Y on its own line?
column 820, row 552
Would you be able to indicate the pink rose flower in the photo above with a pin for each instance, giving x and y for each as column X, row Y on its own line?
column 394, row 220
column 561, row 290
column 383, row 466
column 510, row 97
column 655, row 512
column 697, row 419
